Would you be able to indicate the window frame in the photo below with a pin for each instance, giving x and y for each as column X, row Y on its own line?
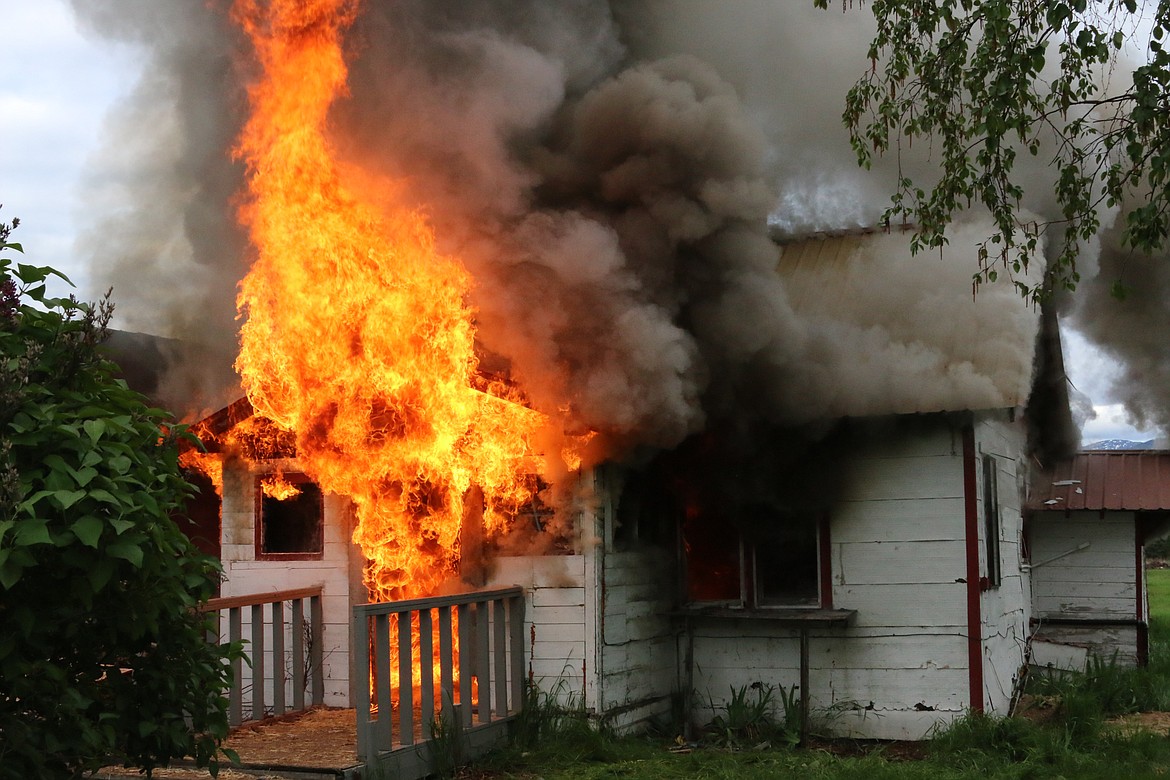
column 749, row 584
column 992, row 522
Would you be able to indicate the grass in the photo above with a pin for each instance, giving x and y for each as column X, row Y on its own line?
column 1158, row 581
column 560, row 745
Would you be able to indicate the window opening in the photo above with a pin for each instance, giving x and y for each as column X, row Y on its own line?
column 786, row 564
column 289, row 518
column 991, row 520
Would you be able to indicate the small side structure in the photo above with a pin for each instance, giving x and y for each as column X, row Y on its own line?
column 1089, row 520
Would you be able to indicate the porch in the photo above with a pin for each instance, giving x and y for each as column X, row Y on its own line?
column 446, row 678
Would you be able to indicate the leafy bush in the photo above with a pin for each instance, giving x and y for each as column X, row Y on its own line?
column 102, row 655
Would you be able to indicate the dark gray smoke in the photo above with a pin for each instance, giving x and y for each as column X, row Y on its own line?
column 611, row 174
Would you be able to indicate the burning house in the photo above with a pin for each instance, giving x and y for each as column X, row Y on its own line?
column 708, row 460
column 874, row 561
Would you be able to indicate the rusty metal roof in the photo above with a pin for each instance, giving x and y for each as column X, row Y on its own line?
column 1137, row 480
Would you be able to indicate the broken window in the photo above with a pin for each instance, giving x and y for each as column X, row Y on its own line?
column 991, row 520
column 289, row 518
column 776, row 564
column 786, row 565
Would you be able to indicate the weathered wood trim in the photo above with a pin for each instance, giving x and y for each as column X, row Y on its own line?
column 971, row 527
column 1139, row 551
column 407, row 605
column 825, row 553
column 230, row 602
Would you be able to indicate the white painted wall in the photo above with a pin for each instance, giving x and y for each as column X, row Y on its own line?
column 245, row 575
column 899, row 559
column 555, row 627
column 1095, row 583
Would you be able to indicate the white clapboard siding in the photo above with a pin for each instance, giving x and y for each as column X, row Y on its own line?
column 1005, row 611
column 892, row 563
column 1099, row 581
column 639, row 658
column 554, row 619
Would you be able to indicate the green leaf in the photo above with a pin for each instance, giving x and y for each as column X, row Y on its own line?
column 10, row 574
column 127, row 551
column 30, row 532
column 67, row 498
column 94, row 429
column 88, row 530
column 121, row 526
column 100, row 574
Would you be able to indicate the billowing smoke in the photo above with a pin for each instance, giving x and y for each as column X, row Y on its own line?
column 613, row 176
column 1125, row 308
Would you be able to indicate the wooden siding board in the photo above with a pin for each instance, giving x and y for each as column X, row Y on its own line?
column 898, row 520
column 882, row 604
column 903, row 478
column 873, row 563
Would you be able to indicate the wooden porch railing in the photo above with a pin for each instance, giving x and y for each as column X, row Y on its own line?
column 274, row 667
column 478, row 671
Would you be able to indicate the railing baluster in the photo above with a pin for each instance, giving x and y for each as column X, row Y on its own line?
column 298, row 654
column 278, row 658
column 483, row 667
column 385, row 734
column 466, row 662
column 236, row 694
column 405, row 681
column 317, row 655
column 426, row 663
column 446, row 658
column 500, row 673
column 257, row 661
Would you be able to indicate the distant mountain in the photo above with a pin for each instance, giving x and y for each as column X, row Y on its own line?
column 1120, row 444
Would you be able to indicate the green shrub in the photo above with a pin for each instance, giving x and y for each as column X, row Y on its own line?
column 102, row 655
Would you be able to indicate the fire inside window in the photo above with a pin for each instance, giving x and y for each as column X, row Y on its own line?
column 289, row 518
column 774, row 563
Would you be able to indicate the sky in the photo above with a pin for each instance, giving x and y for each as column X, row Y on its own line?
column 57, row 86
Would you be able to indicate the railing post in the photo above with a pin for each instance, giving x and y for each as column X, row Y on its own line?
column 236, row 694
column 361, row 660
column 278, row 707
column 257, row 661
column 500, row 634
column 317, row 659
column 298, row 654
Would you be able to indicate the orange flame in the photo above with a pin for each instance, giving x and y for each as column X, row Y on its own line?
column 358, row 338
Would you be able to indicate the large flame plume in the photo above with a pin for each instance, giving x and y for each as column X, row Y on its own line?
column 358, row 336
